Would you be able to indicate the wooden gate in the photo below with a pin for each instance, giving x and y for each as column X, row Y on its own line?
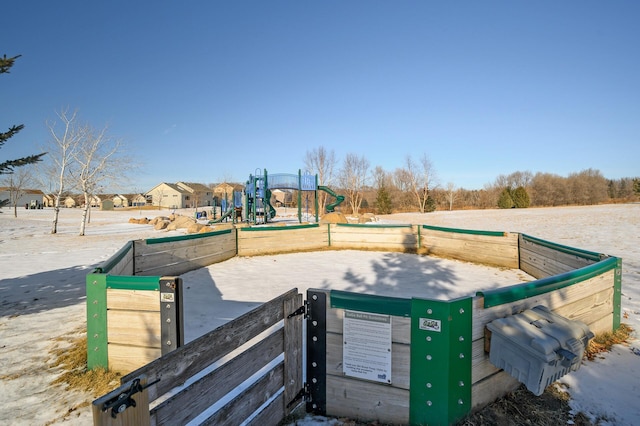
column 247, row 370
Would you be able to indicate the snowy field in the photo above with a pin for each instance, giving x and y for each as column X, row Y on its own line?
column 42, row 292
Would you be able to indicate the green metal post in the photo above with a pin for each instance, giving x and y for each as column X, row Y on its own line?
column 97, row 352
column 315, row 191
column 617, row 294
column 440, row 392
column 299, row 195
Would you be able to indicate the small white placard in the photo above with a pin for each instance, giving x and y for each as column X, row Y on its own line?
column 430, row 324
column 366, row 350
column 167, row 297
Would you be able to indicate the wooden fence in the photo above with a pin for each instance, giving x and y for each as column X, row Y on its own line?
column 259, row 352
column 438, row 376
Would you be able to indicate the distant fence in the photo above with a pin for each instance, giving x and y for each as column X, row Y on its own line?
column 574, row 283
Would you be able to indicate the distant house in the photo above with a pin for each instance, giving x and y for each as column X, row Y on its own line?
column 180, row 195
column 200, row 195
column 120, row 200
column 168, row 195
column 224, row 191
column 49, row 200
column 137, row 200
column 27, row 197
column 70, row 201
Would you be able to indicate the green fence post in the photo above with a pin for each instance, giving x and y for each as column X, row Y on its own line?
column 97, row 352
column 617, row 294
column 440, row 391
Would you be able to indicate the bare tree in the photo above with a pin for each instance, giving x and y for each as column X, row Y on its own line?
column 17, row 183
column 419, row 179
column 323, row 163
column 98, row 162
column 452, row 194
column 62, row 148
column 353, row 177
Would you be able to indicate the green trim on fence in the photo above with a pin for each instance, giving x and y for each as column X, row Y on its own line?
column 278, row 228
column 465, row 231
column 440, row 370
column 367, row 225
column 97, row 351
column 186, row 237
column 395, row 306
column 564, row 249
column 133, row 282
column 328, row 235
column 534, row 288
column 108, row 264
column 617, row 294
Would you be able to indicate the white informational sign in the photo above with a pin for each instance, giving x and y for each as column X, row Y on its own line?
column 366, row 351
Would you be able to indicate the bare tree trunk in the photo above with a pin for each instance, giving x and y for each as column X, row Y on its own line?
column 85, row 212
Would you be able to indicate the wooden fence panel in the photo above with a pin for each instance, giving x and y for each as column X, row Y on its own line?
column 178, row 366
column 589, row 301
column 367, row 400
column 398, row 238
column 197, row 397
column 541, row 261
column 283, row 239
column 177, row 255
column 497, row 249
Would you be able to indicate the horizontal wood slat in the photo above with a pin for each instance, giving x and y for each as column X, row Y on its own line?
column 178, row 366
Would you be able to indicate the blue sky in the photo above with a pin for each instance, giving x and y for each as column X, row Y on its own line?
column 206, row 90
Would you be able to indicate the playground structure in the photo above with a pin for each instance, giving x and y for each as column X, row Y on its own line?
column 253, row 204
column 439, row 359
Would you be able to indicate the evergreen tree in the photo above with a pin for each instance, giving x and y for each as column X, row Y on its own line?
column 505, row 201
column 7, row 167
column 520, row 198
column 383, row 201
column 430, row 205
column 636, row 186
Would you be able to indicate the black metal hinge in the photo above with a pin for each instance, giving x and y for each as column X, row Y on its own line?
column 303, row 395
column 302, row 310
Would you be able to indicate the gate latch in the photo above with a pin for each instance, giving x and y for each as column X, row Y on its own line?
column 125, row 400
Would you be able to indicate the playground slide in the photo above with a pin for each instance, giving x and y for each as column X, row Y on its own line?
column 339, row 198
column 272, row 210
column 226, row 214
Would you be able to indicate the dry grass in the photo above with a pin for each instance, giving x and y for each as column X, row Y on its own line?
column 70, row 356
column 604, row 341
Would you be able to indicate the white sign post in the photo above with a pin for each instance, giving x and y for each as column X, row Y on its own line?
column 366, row 351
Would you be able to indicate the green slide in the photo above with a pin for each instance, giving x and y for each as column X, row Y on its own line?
column 272, row 210
column 339, row 198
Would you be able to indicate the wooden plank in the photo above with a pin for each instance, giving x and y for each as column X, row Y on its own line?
column 281, row 241
column 133, row 415
column 490, row 250
column 400, row 326
column 400, row 360
column 481, row 367
column 242, row 406
column 366, row 401
column 136, row 300
column 270, row 415
column 125, row 359
column 547, row 261
column 179, row 365
column 187, row 404
column 135, row 328
column 375, row 238
column 293, row 348
column 553, row 300
column 174, row 258
column 181, row 260
column 492, row 388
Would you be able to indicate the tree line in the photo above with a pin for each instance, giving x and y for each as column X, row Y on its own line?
column 414, row 186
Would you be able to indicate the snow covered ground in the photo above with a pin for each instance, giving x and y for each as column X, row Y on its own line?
column 42, row 292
